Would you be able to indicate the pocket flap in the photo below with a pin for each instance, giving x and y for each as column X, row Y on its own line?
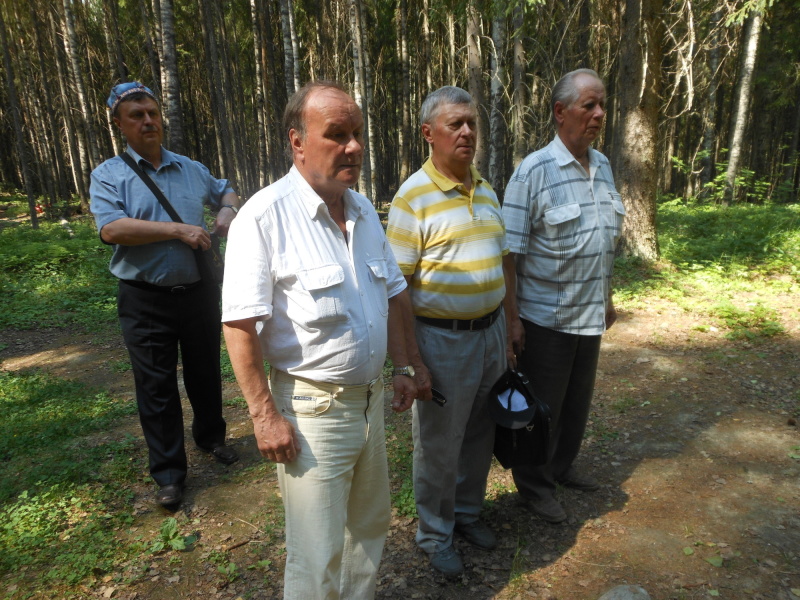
column 616, row 202
column 318, row 278
column 562, row 214
column 378, row 267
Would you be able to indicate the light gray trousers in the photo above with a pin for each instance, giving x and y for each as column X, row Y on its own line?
column 453, row 444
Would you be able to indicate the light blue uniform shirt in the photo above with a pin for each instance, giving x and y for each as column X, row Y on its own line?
column 117, row 192
column 564, row 224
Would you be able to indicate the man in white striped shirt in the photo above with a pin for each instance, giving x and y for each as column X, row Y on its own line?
column 563, row 217
column 447, row 234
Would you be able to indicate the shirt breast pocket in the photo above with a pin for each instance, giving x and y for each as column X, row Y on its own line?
column 322, row 297
column 379, row 272
column 562, row 224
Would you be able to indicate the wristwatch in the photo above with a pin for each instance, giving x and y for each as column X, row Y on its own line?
column 235, row 209
column 407, row 371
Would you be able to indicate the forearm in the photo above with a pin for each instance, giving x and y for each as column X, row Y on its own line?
column 247, row 359
column 136, row 232
column 398, row 349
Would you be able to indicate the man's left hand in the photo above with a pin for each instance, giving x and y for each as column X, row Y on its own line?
column 404, row 393
column 611, row 314
column 223, row 222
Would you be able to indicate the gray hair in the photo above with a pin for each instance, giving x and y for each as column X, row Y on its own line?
column 448, row 94
column 565, row 92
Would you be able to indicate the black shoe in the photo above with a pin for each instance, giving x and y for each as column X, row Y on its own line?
column 573, row 480
column 547, row 509
column 170, row 494
column 224, row 454
column 478, row 534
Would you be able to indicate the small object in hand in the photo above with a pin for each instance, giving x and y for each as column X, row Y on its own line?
column 437, row 397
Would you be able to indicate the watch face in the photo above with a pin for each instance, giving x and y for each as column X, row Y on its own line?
column 409, row 370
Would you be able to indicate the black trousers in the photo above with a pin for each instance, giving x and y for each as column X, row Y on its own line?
column 562, row 369
column 155, row 324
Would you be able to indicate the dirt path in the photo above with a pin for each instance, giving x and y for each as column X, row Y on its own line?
column 694, row 437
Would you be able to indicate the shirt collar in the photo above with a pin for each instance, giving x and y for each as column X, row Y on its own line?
column 312, row 201
column 564, row 157
column 167, row 158
column 444, row 183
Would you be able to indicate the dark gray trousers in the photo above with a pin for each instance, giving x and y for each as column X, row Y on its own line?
column 562, row 369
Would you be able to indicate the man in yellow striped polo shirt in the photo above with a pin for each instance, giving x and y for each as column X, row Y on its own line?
column 447, row 234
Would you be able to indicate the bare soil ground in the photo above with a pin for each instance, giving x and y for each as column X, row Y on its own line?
column 693, row 436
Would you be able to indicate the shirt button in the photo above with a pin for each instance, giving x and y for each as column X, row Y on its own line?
column 372, row 353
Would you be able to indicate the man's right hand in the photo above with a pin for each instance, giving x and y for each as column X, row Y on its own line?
column 194, row 236
column 276, row 437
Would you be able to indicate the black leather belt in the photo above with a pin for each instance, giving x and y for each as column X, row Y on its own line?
column 167, row 289
column 463, row 324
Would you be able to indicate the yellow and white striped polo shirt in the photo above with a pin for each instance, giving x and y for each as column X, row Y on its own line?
column 451, row 242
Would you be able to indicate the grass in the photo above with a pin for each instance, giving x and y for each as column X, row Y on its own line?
column 65, row 480
column 55, row 277
column 62, row 497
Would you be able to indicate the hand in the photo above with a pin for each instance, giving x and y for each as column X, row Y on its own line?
column 423, row 381
column 195, row 236
column 275, row 437
column 611, row 314
column 223, row 222
column 515, row 341
column 404, row 393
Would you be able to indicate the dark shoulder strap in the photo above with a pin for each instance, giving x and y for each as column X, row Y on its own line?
column 162, row 199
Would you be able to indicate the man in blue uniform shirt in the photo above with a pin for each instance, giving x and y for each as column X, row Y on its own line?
column 163, row 304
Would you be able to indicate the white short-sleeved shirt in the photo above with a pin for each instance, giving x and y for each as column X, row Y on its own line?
column 323, row 301
column 564, row 225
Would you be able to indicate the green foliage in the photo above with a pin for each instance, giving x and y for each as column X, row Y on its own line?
column 757, row 322
column 759, row 239
column 170, row 538
column 61, row 497
column 55, row 276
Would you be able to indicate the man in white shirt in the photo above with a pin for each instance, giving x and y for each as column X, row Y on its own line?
column 310, row 286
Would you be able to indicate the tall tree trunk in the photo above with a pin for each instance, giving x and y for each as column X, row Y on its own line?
column 291, row 60
column 87, row 122
column 172, row 89
column 44, row 73
column 258, row 43
column 152, row 52
column 520, row 93
column 710, row 113
column 17, row 119
column 742, row 96
column 405, row 100
column 360, row 86
column 452, row 70
column 75, row 144
column 475, row 79
column 497, row 122
column 219, row 109
column 426, row 47
column 635, row 158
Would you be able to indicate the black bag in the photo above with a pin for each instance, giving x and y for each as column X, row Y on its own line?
column 522, row 433
column 210, row 263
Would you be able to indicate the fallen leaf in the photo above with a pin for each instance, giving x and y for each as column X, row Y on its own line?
column 688, row 551
column 715, row 561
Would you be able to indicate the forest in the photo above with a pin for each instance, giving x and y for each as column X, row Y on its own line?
column 703, row 96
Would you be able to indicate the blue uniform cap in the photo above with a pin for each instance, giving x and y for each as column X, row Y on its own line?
column 122, row 90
